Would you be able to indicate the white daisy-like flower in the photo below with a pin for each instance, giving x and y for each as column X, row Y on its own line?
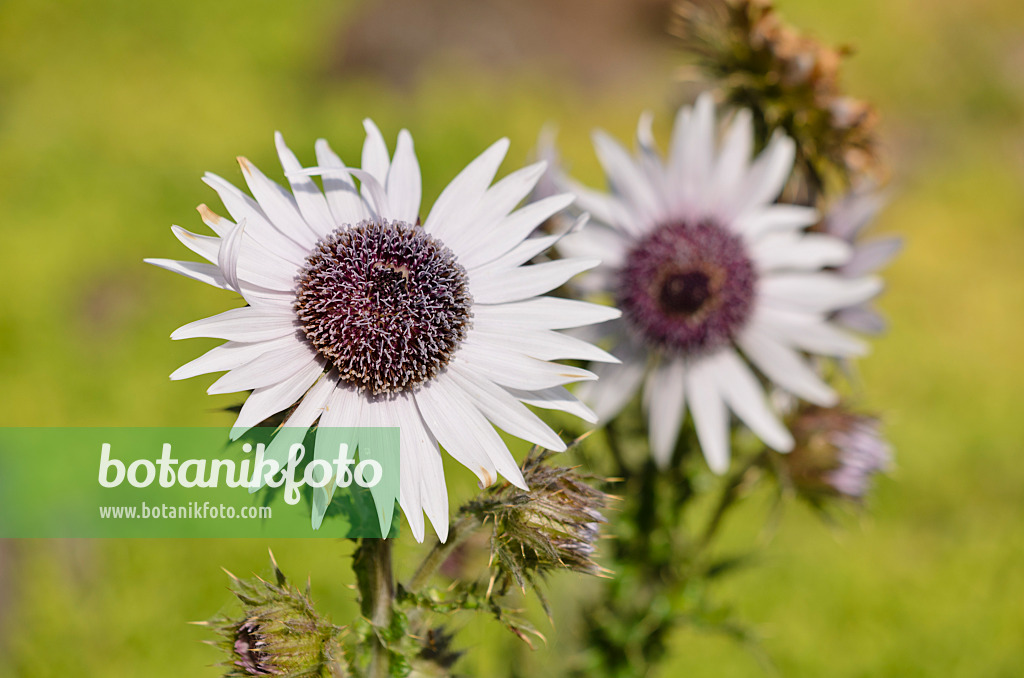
column 711, row 277
column 363, row 317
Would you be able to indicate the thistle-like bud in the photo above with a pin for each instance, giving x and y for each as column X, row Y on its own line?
column 279, row 633
column 553, row 526
column 837, row 453
column 789, row 81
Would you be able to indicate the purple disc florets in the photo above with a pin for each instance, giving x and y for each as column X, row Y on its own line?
column 385, row 303
column 687, row 288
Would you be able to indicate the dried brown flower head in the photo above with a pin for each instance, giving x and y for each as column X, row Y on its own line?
column 788, row 80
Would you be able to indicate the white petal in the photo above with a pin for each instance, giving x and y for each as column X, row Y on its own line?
column 255, row 264
column 269, row 400
column 421, row 476
column 227, row 356
column 518, row 255
column 615, row 386
column 596, row 241
column 499, row 286
column 374, row 192
column 299, row 421
column 278, row 204
column 871, row 256
column 240, row 324
column 664, row 398
column 505, row 411
column 746, row 398
column 313, row 404
column 541, row 344
column 627, row 179
column 549, row 313
column 227, row 257
column 734, row 157
column 817, row 292
column 450, row 214
column 515, row 370
column 310, row 200
column 270, row 368
column 807, row 252
column 376, row 159
column 557, row 398
column 346, row 204
column 607, row 209
column 465, row 433
column 510, row 231
column 861, row 319
column 206, row 273
column 786, row 368
column 404, row 185
column 691, row 157
column 809, row 332
column 285, row 243
column 710, row 417
column 648, row 157
column 768, row 219
column 767, row 176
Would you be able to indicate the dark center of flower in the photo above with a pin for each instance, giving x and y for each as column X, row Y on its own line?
column 385, row 303
column 687, row 288
column 685, row 293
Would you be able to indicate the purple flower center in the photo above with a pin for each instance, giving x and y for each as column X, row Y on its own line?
column 385, row 303
column 687, row 288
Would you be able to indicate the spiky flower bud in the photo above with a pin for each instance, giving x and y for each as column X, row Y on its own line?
column 553, row 526
column 279, row 633
column 837, row 453
column 789, row 81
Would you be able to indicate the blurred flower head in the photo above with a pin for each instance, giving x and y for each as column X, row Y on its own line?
column 789, row 81
column 279, row 633
column 704, row 264
column 838, row 452
column 847, row 219
column 359, row 315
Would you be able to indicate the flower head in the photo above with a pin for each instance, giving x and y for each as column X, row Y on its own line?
column 359, row 313
column 705, row 266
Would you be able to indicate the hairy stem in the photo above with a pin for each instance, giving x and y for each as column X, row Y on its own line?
column 372, row 565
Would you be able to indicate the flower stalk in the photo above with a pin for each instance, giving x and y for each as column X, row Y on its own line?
column 376, row 583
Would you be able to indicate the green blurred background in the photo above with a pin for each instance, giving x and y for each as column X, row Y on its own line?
column 111, row 110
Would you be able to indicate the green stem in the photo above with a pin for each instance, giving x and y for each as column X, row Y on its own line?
column 372, row 565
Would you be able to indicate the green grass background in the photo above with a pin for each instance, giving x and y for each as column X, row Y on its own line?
column 110, row 111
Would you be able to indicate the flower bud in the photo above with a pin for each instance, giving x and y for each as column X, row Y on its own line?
column 837, row 453
column 279, row 633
